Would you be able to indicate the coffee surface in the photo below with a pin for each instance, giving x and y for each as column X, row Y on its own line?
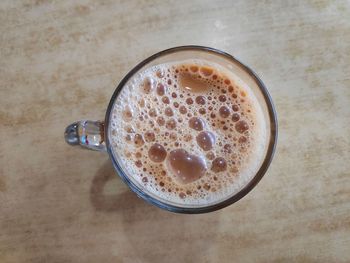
column 188, row 132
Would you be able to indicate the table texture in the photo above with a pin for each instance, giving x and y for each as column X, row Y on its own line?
column 60, row 61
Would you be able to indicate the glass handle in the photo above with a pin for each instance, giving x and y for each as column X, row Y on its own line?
column 87, row 134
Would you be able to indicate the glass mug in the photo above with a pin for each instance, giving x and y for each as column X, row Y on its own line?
column 95, row 134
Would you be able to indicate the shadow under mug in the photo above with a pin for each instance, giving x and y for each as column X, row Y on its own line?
column 95, row 134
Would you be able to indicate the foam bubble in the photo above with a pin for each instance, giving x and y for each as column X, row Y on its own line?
column 196, row 123
column 157, row 153
column 200, row 100
column 189, row 101
column 224, row 111
column 241, row 126
column 235, row 117
column 165, row 100
column 205, row 140
column 183, row 110
column 148, row 84
column 186, row 167
column 170, row 124
column 219, row 165
column 168, row 112
column 150, row 136
column 127, row 113
column 160, row 89
column 138, row 140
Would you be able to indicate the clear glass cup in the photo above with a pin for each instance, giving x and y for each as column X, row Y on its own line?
column 95, row 134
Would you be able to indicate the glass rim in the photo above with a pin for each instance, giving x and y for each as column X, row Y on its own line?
column 271, row 146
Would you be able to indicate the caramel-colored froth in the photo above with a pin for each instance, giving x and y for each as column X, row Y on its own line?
column 189, row 133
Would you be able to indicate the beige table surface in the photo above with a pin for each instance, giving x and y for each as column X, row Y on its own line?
column 60, row 62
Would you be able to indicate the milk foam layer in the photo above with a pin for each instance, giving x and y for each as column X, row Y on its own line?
column 189, row 133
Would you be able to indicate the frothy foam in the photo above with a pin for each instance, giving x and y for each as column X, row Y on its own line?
column 189, row 133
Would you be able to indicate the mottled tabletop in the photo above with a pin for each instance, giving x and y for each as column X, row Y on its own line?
column 60, row 61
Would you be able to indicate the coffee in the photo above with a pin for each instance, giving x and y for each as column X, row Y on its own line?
column 188, row 132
